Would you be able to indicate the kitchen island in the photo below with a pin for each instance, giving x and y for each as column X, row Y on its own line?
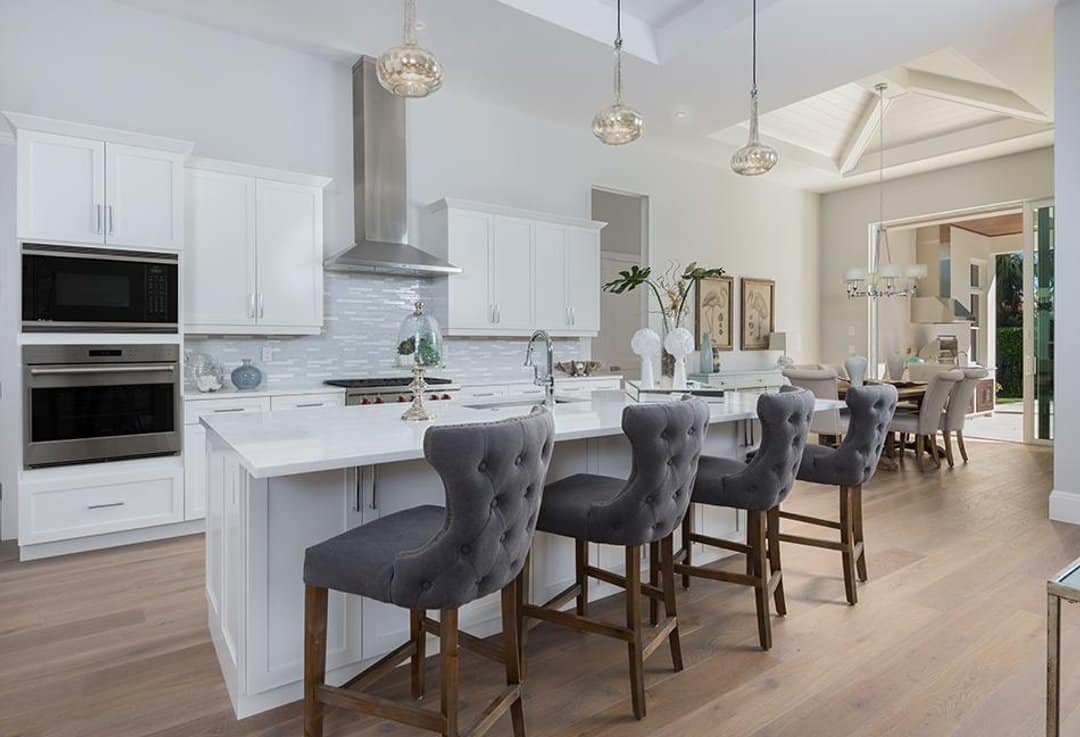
column 280, row 482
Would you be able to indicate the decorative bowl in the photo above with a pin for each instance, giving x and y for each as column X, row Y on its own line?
column 578, row 368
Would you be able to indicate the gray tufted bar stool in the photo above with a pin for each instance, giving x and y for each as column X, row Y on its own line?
column 434, row 558
column 849, row 466
column 758, row 487
column 666, row 441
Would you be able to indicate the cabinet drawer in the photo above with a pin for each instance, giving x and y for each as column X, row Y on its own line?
column 93, row 504
column 482, row 392
column 756, row 381
column 307, row 401
column 194, row 410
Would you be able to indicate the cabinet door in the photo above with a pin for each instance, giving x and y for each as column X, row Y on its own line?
column 549, row 277
column 61, row 188
column 194, row 472
column 583, row 280
column 469, row 241
column 511, row 261
column 289, row 256
column 145, row 197
column 219, row 260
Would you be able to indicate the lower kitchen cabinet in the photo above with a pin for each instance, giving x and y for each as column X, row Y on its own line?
column 194, row 472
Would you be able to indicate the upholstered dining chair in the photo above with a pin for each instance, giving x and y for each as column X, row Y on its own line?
column 643, row 510
column 431, row 557
column 821, row 382
column 960, row 399
column 848, row 467
column 925, row 422
column 758, row 487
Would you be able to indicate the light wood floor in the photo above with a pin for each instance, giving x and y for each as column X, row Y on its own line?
column 948, row 637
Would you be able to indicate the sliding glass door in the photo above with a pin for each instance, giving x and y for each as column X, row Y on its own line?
column 1039, row 322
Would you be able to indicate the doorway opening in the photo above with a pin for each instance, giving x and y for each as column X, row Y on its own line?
column 624, row 242
column 993, row 271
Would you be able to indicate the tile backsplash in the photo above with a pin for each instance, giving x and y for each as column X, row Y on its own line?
column 362, row 314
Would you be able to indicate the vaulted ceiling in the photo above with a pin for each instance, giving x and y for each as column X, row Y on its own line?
column 688, row 69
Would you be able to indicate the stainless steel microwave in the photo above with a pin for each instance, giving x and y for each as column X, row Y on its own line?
column 72, row 289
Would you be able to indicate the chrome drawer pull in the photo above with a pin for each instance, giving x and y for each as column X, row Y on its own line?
column 105, row 506
column 312, row 404
column 231, row 409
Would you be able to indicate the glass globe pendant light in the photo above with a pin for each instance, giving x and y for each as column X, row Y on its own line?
column 618, row 124
column 755, row 157
column 409, row 70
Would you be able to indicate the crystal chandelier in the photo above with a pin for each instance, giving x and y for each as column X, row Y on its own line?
column 409, row 70
column 755, row 157
column 618, row 124
column 889, row 280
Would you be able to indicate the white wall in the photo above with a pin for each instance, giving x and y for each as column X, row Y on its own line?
column 237, row 98
column 1065, row 501
column 845, row 216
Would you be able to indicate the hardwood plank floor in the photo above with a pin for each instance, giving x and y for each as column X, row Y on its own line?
column 948, row 637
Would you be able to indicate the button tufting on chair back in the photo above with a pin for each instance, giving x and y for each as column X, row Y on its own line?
column 767, row 479
column 854, row 462
column 666, row 441
column 494, row 478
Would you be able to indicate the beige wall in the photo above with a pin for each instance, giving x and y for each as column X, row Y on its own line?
column 623, row 216
column 845, row 217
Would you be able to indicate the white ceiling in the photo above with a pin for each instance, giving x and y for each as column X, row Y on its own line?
column 552, row 58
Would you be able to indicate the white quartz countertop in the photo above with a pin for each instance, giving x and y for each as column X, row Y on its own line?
column 194, row 395
column 306, row 441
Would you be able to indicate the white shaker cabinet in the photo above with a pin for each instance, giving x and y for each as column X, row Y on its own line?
column 61, row 188
column 254, row 258
column 95, row 186
column 145, row 197
column 521, row 270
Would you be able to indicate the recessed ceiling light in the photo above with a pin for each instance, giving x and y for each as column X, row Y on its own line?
column 682, row 114
column 420, row 25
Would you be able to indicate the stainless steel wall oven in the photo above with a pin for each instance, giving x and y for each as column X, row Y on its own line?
column 89, row 403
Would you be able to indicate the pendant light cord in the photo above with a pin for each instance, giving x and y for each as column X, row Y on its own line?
column 618, row 22
column 753, row 89
column 881, row 177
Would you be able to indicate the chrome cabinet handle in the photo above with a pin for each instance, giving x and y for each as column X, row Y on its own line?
column 311, row 404
column 498, row 313
column 99, row 370
column 109, row 218
column 491, row 313
column 230, row 409
column 262, row 304
column 97, row 228
column 251, row 305
column 573, row 316
column 105, row 506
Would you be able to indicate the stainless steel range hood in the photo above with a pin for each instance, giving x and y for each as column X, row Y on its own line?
column 942, row 308
column 379, row 187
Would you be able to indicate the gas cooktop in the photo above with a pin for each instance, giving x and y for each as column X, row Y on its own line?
column 393, row 382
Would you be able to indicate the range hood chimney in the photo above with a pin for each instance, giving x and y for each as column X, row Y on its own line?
column 942, row 308
column 379, row 187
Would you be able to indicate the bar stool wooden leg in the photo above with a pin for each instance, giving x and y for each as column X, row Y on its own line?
column 633, row 622
column 654, row 580
column 511, row 654
column 772, row 532
column 857, row 530
column 315, row 604
column 757, row 534
column 960, row 443
column 848, row 543
column 448, row 655
column 667, row 566
column 521, row 593
column 419, row 638
column 687, row 527
column 581, row 562
column 920, row 446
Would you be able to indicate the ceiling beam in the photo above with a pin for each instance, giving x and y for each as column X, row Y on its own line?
column 869, row 123
column 981, row 96
column 967, row 139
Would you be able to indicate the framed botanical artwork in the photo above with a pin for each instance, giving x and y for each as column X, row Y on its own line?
column 758, row 313
column 713, row 312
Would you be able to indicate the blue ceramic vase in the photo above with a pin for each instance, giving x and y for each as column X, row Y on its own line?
column 246, row 376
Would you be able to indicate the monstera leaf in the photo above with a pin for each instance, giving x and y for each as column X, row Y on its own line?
column 628, row 280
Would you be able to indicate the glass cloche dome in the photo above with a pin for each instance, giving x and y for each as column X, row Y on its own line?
column 419, row 340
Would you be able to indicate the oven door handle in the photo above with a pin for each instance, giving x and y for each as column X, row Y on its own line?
column 99, row 370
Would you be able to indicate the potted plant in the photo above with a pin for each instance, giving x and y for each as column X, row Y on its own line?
column 672, row 290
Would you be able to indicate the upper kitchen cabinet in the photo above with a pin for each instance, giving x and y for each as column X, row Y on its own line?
column 253, row 264
column 521, row 270
column 87, row 185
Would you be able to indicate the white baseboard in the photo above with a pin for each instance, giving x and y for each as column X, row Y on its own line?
column 1065, row 506
column 110, row 540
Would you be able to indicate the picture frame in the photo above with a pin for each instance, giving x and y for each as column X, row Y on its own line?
column 714, row 312
column 758, row 313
